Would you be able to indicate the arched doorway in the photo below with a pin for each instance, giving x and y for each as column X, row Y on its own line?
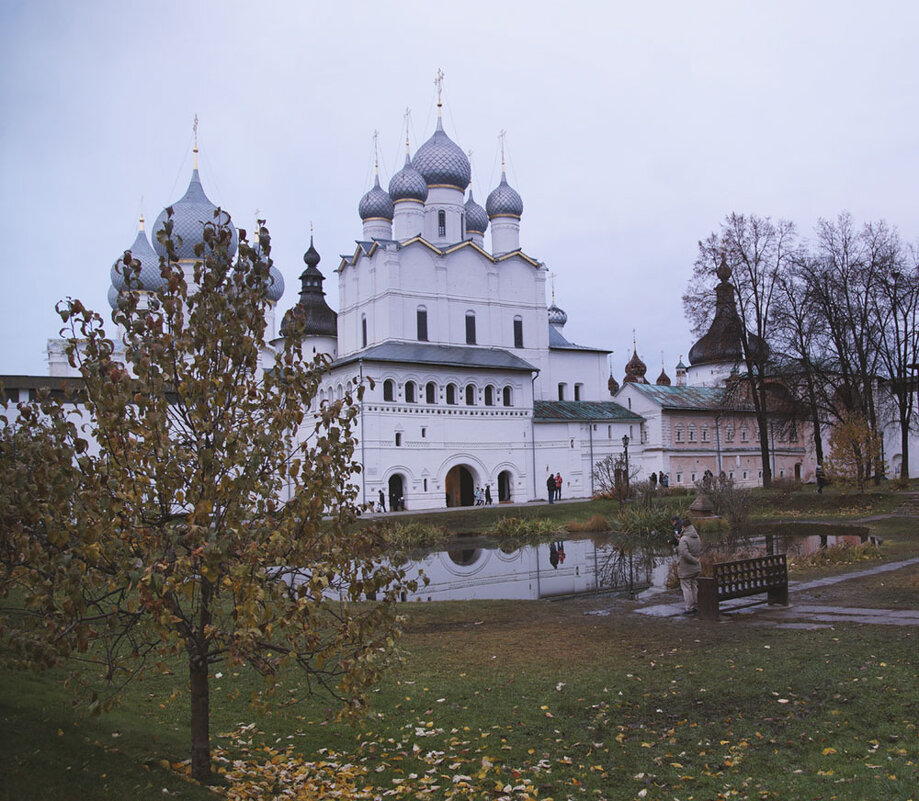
column 504, row 486
column 460, row 486
column 396, row 493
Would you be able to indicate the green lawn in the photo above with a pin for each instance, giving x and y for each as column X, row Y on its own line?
column 530, row 699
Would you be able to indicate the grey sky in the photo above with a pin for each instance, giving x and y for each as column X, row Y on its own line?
column 632, row 129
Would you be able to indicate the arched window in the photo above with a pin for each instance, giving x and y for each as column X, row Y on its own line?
column 489, row 396
column 389, row 391
column 451, row 394
column 363, row 331
column 508, row 397
column 470, row 328
column 409, row 391
column 422, row 319
column 441, row 223
column 561, row 391
column 430, row 392
column 518, row 331
column 470, row 394
column 578, row 388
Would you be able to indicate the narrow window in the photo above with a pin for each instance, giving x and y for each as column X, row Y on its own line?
column 705, row 435
column 430, row 392
column 425, row 483
column 409, row 391
column 398, row 439
column 561, row 392
column 388, row 389
column 422, row 317
column 743, row 435
column 609, row 432
column 424, row 433
column 679, row 434
column 470, row 395
column 441, row 223
column 679, row 478
column 577, row 391
column 470, row 328
column 518, row 332
column 508, row 400
column 692, row 435
column 489, row 396
column 363, row 332
column 451, row 394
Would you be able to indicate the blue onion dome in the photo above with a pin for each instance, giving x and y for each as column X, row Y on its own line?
column 113, row 295
column 149, row 277
column 476, row 218
column 408, row 184
column 376, row 204
column 441, row 161
column 504, row 201
column 189, row 215
column 557, row 316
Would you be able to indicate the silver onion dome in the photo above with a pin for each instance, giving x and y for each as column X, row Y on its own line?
column 148, row 278
column 476, row 218
column 189, row 216
column 441, row 161
column 408, row 184
column 276, row 283
column 504, row 201
column 376, row 203
column 557, row 316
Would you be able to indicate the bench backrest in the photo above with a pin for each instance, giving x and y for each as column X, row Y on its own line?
column 750, row 576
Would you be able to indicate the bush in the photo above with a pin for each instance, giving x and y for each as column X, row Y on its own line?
column 843, row 554
column 594, row 523
column 411, row 535
column 639, row 521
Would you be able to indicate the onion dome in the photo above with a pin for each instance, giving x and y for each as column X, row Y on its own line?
column 723, row 342
column 149, row 277
column 635, row 370
column 376, row 204
column 441, row 161
column 504, row 201
column 476, row 218
column 113, row 295
column 612, row 384
column 408, row 184
column 312, row 315
column 663, row 380
column 557, row 316
column 189, row 215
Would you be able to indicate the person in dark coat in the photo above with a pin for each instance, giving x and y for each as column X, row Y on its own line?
column 550, row 486
column 382, row 502
column 488, row 494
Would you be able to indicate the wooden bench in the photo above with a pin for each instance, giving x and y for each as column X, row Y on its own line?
column 745, row 577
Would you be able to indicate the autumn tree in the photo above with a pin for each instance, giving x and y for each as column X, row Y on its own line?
column 202, row 509
column 855, row 451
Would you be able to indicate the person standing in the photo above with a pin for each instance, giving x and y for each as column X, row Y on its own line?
column 382, row 501
column 558, row 486
column 821, row 479
column 689, row 549
column 488, row 494
column 653, row 481
column 550, row 486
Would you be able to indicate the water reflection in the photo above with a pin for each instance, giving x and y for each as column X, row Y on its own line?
column 558, row 568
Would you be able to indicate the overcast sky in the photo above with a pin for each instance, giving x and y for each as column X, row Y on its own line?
column 632, row 130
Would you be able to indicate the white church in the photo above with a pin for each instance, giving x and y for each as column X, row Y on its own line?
column 474, row 384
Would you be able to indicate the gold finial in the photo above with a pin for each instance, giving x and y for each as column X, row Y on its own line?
column 195, row 148
column 141, row 222
column 501, row 136
column 439, row 83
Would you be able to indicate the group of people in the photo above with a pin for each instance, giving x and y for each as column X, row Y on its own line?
column 664, row 480
column 482, row 497
column 397, row 504
column 554, row 487
column 689, row 566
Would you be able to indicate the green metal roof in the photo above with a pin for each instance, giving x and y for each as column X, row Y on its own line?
column 588, row 411
column 689, row 398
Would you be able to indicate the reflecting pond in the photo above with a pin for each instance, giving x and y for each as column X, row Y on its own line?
column 474, row 569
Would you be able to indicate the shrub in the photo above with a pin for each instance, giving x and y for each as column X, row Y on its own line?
column 842, row 554
column 411, row 535
column 594, row 523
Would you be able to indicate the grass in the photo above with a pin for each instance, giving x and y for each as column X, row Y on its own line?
column 535, row 699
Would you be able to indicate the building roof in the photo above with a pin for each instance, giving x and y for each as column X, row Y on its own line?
column 464, row 356
column 688, row 398
column 557, row 341
column 593, row 411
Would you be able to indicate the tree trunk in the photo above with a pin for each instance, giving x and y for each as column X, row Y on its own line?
column 200, row 716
